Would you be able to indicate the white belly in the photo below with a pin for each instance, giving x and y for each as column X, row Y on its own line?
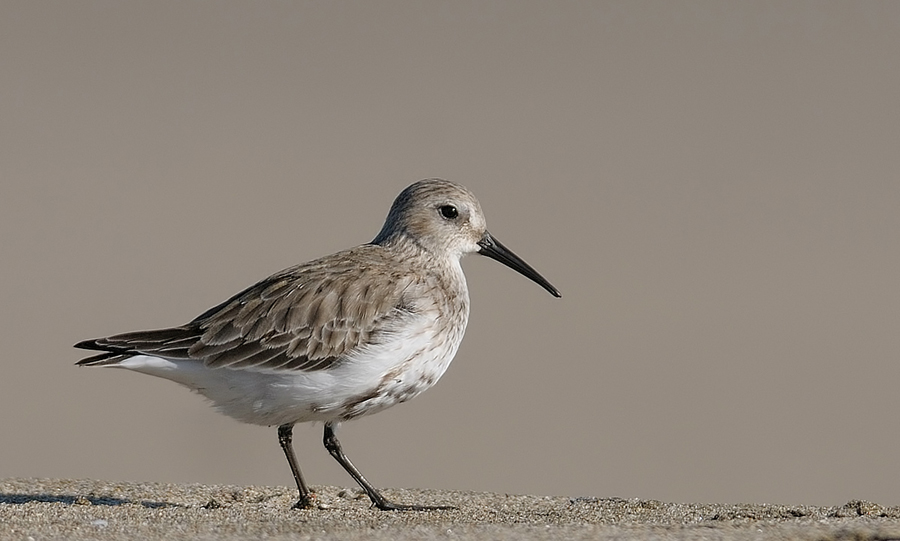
column 369, row 380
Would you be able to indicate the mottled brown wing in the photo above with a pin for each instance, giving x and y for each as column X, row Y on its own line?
column 304, row 318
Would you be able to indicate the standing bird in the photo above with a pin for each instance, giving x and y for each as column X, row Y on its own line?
column 336, row 338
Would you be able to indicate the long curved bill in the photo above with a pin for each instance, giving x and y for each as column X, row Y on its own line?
column 492, row 248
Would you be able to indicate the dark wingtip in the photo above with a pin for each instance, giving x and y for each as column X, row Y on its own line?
column 110, row 357
column 89, row 344
column 101, row 359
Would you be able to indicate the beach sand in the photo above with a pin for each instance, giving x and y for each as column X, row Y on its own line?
column 86, row 509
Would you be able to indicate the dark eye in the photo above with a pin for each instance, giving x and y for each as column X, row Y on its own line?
column 449, row 212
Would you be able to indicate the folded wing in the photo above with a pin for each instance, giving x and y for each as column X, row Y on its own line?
column 302, row 318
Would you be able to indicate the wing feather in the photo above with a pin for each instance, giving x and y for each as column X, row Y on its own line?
column 304, row 318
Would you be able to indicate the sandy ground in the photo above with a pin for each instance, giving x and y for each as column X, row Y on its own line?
column 84, row 509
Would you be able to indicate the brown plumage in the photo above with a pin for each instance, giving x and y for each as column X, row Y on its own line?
column 303, row 318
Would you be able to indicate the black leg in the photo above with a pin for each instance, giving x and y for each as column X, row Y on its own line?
column 285, row 437
column 334, row 447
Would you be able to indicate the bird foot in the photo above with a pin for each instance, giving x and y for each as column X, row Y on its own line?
column 306, row 502
column 386, row 505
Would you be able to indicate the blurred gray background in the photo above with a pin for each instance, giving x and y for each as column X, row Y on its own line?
column 714, row 186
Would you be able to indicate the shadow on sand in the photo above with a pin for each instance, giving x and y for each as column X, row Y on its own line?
column 19, row 499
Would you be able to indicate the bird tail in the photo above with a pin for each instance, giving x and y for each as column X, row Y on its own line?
column 170, row 343
column 108, row 357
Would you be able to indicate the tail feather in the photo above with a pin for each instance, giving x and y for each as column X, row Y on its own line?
column 174, row 342
column 104, row 359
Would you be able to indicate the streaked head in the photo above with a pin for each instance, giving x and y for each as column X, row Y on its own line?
column 445, row 219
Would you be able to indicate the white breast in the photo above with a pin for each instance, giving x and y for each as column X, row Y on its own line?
column 407, row 362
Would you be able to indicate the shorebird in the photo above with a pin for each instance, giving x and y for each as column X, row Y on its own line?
column 337, row 338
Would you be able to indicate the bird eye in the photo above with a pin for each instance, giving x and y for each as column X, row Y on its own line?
column 449, row 212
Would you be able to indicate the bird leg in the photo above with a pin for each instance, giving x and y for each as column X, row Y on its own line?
column 285, row 438
column 334, row 447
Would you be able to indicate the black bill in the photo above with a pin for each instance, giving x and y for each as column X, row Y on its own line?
column 492, row 248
